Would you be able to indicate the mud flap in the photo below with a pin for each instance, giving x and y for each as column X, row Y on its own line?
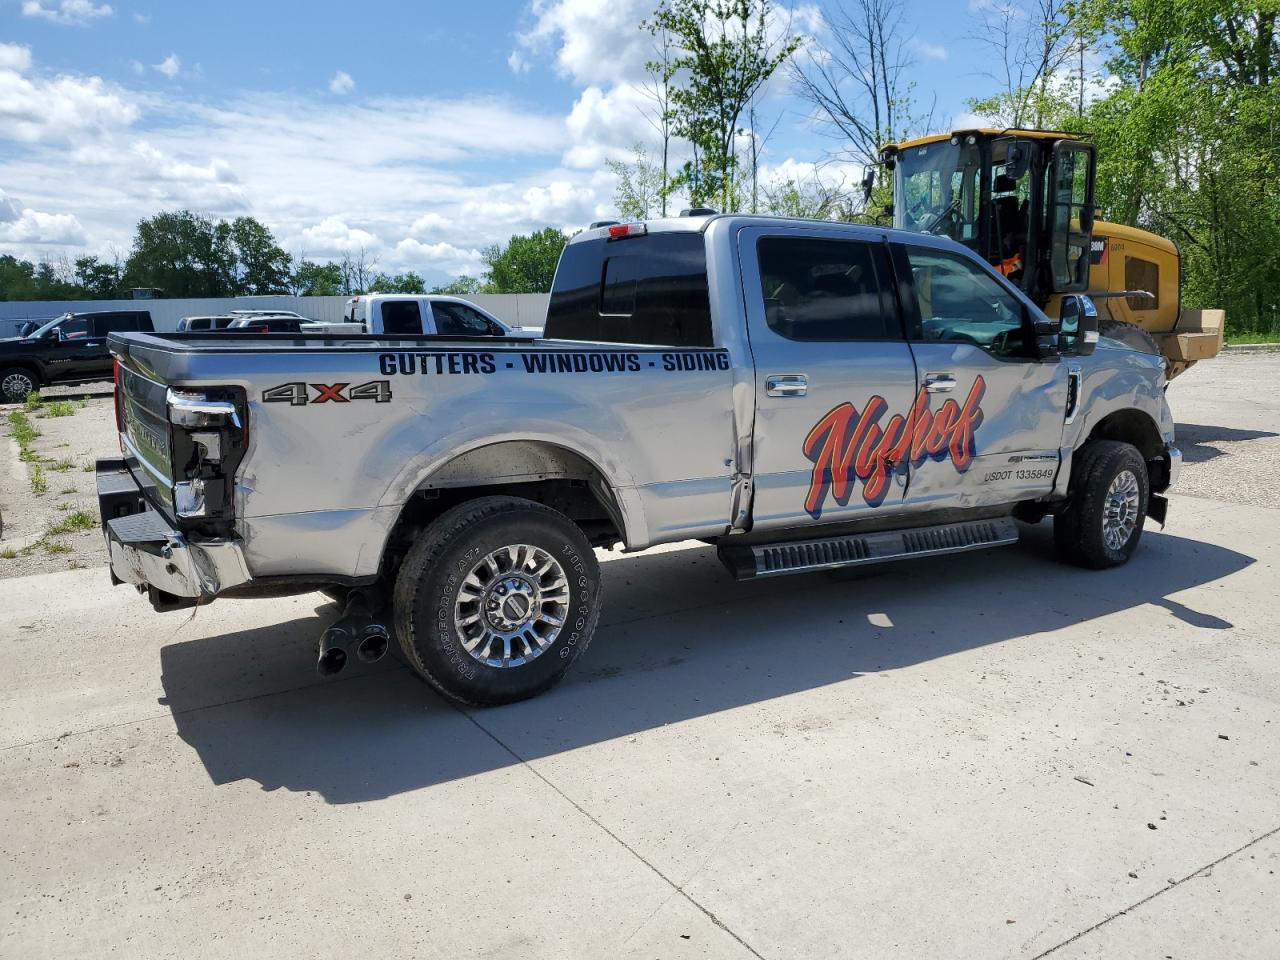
column 1158, row 508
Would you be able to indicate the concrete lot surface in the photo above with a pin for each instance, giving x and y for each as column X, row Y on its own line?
column 983, row 756
column 965, row 757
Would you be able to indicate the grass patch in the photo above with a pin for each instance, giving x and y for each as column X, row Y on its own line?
column 8, row 553
column 21, row 429
column 1253, row 337
column 39, row 484
column 65, row 491
column 32, row 403
column 59, row 408
column 89, row 468
column 62, row 466
column 80, row 520
column 54, row 547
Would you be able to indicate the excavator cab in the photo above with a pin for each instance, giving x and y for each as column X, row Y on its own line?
column 1021, row 199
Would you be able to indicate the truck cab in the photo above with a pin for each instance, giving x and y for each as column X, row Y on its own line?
column 428, row 315
column 69, row 349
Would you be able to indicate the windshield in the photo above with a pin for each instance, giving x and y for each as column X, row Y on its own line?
column 938, row 190
column 41, row 331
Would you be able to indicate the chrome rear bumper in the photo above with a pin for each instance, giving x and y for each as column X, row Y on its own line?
column 148, row 552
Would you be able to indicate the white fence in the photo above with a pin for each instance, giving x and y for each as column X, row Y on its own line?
column 517, row 309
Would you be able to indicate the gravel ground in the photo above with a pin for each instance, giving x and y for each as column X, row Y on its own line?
column 1228, row 429
column 66, row 449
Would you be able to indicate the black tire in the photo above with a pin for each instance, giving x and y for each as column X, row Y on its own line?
column 16, row 383
column 1078, row 530
column 429, row 589
column 1129, row 335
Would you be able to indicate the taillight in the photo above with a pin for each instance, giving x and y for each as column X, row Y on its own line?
column 119, row 398
column 209, row 438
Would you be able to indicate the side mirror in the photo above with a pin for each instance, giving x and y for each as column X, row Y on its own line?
column 1078, row 330
column 868, row 183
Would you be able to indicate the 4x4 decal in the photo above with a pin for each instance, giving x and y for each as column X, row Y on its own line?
column 297, row 395
column 846, row 445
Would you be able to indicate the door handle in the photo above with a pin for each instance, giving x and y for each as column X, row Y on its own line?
column 939, row 383
column 787, row 385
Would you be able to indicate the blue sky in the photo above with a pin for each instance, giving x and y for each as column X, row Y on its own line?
column 419, row 131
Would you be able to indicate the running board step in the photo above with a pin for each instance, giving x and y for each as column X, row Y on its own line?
column 800, row 556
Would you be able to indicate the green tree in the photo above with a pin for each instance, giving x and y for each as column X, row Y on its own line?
column 183, row 253
column 311, row 279
column 724, row 55
column 460, row 286
column 1189, row 143
column 17, row 279
column 98, row 279
column 188, row 254
column 640, row 192
column 261, row 266
column 399, row 283
column 526, row 264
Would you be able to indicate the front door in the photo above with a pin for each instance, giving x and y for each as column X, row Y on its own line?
column 992, row 416
column 834, row 375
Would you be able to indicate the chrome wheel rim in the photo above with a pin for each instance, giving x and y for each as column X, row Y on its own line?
column 1120, row 514
column 511, row 606
column 17, row 386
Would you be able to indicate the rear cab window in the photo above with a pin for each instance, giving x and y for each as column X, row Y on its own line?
column 649, row 289
column 401, row 317
column 826, row 290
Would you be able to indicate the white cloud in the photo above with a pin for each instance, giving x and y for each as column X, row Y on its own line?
column 37, row 109
column 137, row 67
column 332, row 237
column 411, row 253
column 170, row 66
column 341, row 83
column 930, row 51
column 142, row 18
column 15, row 57
column 20, row 225
column 77, row 13
column 598, row 43
column 517, row 63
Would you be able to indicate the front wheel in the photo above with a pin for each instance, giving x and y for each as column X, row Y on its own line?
column 496, row 600
column 1102, row 522
column 16, row 383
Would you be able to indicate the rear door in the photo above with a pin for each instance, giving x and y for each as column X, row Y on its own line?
column 991, row 418
column 835, row 378
column 93, row 358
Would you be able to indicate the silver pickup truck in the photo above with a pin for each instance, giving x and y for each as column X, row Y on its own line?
column 803, row 395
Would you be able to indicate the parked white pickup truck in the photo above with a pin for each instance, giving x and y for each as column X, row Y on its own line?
column 804, row 395
column 399, row 314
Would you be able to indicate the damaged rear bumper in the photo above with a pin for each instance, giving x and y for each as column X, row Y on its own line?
column 148, row 552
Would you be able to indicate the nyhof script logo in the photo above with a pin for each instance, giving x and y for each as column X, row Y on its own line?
column 846, row 445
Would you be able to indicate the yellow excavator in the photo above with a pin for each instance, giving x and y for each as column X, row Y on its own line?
column 1023, row 199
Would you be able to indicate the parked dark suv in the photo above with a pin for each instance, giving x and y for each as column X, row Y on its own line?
column 70, row 349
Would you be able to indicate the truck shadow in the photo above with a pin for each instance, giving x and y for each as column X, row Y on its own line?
column 680, row 639
column 1199, row 442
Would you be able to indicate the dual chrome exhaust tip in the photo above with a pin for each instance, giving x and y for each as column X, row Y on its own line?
column 357, row 632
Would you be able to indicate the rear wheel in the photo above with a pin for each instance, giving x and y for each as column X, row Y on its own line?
column 1103, row 520
column 16, row 383
column 1129, row 335
column 496, row 600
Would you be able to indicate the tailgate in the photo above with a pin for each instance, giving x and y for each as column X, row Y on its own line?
column 145, row 438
